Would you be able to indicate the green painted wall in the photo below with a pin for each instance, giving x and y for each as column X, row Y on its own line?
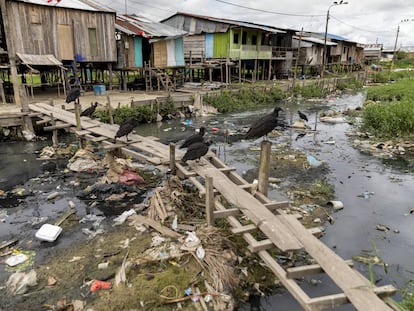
column 220, row 44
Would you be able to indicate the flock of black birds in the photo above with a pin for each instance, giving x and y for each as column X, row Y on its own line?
column 196, row 145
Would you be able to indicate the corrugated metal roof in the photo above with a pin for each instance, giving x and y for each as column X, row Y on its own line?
column 232, row 22
column 315, row 40
column 71, row 4
column 39, row 60
column 144, row 27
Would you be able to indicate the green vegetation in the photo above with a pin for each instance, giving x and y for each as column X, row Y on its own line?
column 309, row 91
column 389, row 119
column 144, row 114
column 353, row 85
column 244, row 99
column 394, row 113
column 401, row 89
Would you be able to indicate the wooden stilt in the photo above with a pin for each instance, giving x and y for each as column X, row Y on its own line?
column 264, row 166
column 172, row 159
column 55, row 141
column 109, row 107
column 209, row 200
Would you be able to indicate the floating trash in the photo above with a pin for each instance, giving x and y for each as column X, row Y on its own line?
column 313, row 162
column 366, row 194
column 337, row 205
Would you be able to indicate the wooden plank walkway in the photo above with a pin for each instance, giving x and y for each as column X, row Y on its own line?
column 151, row 149
column 282, row 231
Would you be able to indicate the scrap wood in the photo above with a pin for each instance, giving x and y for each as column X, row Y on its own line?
column 190, row 297
column 64, row 217
column 120, row 276
column 157, row 208
column 8, row 243
column 155, row 225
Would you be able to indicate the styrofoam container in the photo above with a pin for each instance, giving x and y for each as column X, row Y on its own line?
column 48, row 232
column 14, row 260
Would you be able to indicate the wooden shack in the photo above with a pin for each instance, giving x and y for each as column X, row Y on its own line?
column 310, row 55
column 77, row 34
column 152, row 50
column 217, row 47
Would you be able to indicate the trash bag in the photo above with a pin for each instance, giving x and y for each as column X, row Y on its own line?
column 129, row 177
column 19, row 282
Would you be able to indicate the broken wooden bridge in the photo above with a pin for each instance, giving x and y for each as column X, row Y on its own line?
column 283, row 231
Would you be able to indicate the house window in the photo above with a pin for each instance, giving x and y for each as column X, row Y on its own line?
column 235, row 38
column 254, row 39
column 93, row 43
column 344, row 51
column 244, row 37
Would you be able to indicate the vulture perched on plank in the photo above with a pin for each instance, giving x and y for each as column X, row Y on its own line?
column 88, row 112
column 73, row 94
column 126, row 128
column 196, row 150
column 264, row 125
column 195, row 138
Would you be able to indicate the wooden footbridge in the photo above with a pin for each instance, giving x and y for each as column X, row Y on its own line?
column 282, row 231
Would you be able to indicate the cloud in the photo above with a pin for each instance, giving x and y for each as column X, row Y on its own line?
column 367, row 21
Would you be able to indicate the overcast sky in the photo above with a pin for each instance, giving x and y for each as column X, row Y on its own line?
column 363, row 21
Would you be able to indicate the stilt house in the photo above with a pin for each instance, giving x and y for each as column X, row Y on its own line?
column 217, row 48
column 151, row 49
column 46, row 37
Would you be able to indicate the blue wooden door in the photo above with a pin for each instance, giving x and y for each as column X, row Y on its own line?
column 138, row 51
column 209, row 45
column 179, row 52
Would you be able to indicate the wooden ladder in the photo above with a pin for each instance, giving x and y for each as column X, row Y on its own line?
column 356, row 289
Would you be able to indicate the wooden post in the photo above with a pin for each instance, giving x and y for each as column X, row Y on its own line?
column 172, row 159
column 55, row 141
column 209, row 200
column 77, row 115
column 264, row 166
column 109, row 107
column 110, row 76
column 240, row 70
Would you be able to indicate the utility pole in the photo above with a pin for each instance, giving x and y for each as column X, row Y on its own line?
column 325, row 56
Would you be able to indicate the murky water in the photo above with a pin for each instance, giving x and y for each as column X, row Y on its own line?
column 351, row 171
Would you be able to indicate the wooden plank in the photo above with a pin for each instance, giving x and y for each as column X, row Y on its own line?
column 299, row 272
column 227, row 169
column 58, row 126
column 198, row 185
column 154, row 224
column 289, row 284
column 335, row 300
column 244, row 229
column 186, row 173
column 44, row 120
column 356, row 288
column 276, row 205
column 226, row 213
column 81, row 132
column 260, row 246
column 265, row 220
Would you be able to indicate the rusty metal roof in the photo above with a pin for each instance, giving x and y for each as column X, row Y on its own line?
column 39, row 60
column 86, row 5
column 230, row 22
column 139, row 25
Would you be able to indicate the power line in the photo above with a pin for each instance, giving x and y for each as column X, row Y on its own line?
column 358, row 28
column 270, row 12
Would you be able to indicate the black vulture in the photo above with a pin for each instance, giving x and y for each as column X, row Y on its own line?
column 88, row 112
column 302, row 116
column 126, row 128
column 73, row 94
column 196, row 150
column 197, row 137
column 264, row 125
